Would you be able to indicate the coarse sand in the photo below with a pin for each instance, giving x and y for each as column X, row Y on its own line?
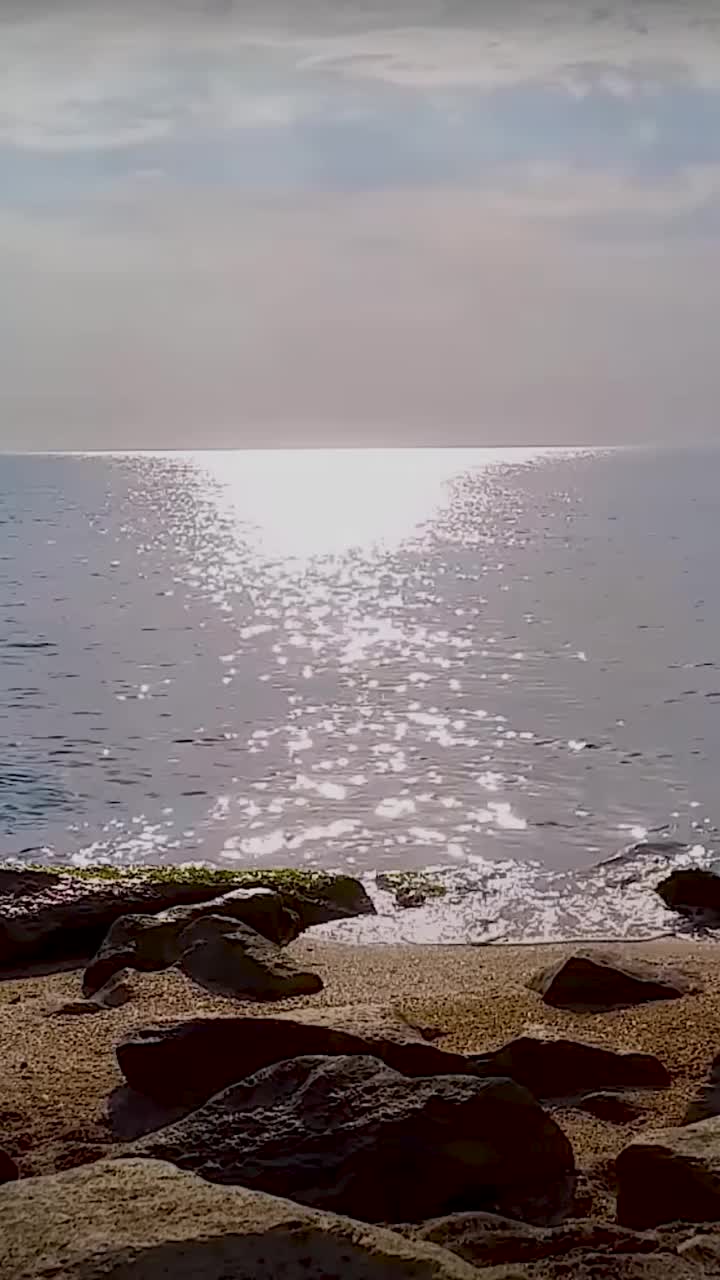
column 58, row 1069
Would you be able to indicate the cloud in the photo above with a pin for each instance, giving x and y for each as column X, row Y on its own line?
column 328, row 222
column 100, row 75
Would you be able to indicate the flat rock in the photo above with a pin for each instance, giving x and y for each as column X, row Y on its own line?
column 612, row 1107
column 671, row 1175
column 146, row 1220
column 559, row 1068
column 693, row 891
column 591, row 979
column 706, row 1102
column 230, row 959
column 577, row 1248
column 116, row 992
column 51, row 915
column 152, row 942
column 486, row 1239
column 187, row 1062
column 352, row 1135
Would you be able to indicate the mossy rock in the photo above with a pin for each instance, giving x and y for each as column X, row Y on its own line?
column 65, row 912
column 410, row 888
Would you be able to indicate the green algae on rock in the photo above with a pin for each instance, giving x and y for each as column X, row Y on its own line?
column 63, row 912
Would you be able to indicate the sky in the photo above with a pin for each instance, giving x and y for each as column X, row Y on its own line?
column 340, row 222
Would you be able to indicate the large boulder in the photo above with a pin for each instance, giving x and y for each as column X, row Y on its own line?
column 693, row 891
column 352, row 1135
column 592, row 979
column 562, row 1068
column 186, row 1063
column 144, row 1219
column 152, row 942
column 230, row 959
column 59, row 914
column 706, row 1102
column 671, row 1175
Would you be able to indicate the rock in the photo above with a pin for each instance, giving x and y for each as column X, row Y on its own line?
column 118, row 991
column 8, row 1168
column 54, row 915
column 692, row 892
column 575, row 1250
column 611, row 1107
column 62, row 916
column 335, row 897
column 352, row 1135
column 73, row 1008
column 151, row 942
column 706, row 1102
column 145, row 1220
column 559, row 1068
column 671, row 1175
column 704, row 1250
column 229, row 959
column 485, row 1239
column 591, row 979
column 409, row 888
column 187, row 1062
column 17, row 881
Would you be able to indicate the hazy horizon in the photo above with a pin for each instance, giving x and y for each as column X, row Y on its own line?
column 228, row 225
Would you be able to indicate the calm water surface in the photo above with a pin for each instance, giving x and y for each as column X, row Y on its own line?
column 502, row 663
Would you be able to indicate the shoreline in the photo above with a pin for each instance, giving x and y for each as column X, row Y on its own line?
column 60, row 1068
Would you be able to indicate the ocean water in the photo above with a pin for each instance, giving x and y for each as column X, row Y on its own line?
column 502, row 664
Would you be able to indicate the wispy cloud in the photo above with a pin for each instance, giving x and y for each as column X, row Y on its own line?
column 100, row 74
column 475, row 221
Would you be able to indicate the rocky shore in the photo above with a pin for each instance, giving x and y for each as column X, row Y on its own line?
column 202, row 1086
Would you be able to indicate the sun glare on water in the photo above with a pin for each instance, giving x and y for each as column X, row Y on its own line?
column 299, row 504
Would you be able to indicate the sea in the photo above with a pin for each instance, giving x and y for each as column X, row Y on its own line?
column 497, row 666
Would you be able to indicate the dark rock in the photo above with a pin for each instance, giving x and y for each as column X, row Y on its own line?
column 486, row 1239
column 335, row 898
column 118, row 991
column 594, row 979
column 151, row 942
column 147, row 1220
column 671, row 1175
column 74, row 1008
column 187, row 1062
column 706, row 1102
column 131, row 1114
column 611, row 1107
column 352, row 1135
column 230, row 959
column 8, row 1168
column 69, row 916
column 53, row 916
column 16, row 882
column 692, row 892
column 576, row 1250
column 552, row 1068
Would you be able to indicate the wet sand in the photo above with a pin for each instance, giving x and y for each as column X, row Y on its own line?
column 57, row 1070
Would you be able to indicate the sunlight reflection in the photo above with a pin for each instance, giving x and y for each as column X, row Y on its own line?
column 296, row 504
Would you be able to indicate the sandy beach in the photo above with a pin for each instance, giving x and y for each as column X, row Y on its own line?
column 59, row 1068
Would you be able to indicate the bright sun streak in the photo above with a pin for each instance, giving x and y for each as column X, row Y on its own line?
column 298, row 504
